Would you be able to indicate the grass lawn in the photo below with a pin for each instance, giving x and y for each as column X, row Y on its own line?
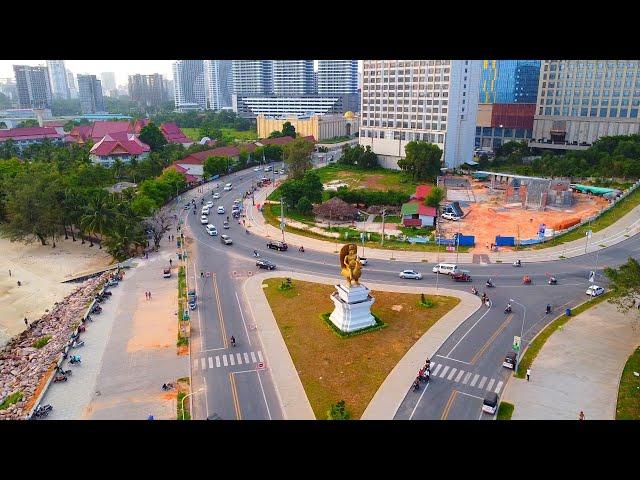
column 536, row 345
column 350, row 369
column 608, row 218
column 388, row 218
column 344, row 138
column 376, row 179
column 505, row 410
column 194, row 134
column 628, row 407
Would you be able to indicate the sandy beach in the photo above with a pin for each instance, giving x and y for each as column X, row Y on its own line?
column 40, row 269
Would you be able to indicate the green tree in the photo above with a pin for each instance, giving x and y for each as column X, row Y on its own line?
column 288, row 130
column 99, row 217
column 275, row 134
column 29, row 123
column 422, row 160
column 297, row 156
column 304, row 206
column 215, row 166
column 152, row 136
column 9, row 149
column 338, row 411
column 625, row 286
column 435, row 197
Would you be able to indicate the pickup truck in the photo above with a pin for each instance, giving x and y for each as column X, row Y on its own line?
column 277, row 246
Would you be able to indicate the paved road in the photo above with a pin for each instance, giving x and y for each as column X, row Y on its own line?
column 465, row 367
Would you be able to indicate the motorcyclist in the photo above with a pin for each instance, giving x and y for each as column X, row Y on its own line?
column 416, row 384
column 227, row 218
column 301, row 249
column 255, row 253
column 548, row 308
column 489, row 283
column 508, row 308
column 233, row 341
column 474, row 290
column 552, row 281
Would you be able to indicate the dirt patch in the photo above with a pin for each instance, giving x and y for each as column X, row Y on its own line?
column 183, row 350
column 396, row 308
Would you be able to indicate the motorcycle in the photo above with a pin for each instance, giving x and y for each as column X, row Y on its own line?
column 553, row 281
column 507, row 310
column 75, row 359
column 97, row 309
column 548, row 311
column 60, row 378
column 416, row 385
column 489, row 284
column 77, row 344
column 256, row 254
column 82, row 328
column 517, row 263
column 62, row 371
column 42, row 411
column 301, row 249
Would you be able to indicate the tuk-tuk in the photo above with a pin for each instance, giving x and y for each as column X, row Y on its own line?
column 461, row 276
column 490, row 403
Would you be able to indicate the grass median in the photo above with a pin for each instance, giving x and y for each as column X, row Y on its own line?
column 183, row 340
column 334, row 368
column 538, row 342
column 505, row 411
column 628, row 406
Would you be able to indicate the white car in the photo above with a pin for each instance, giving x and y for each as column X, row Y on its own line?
column 209, row 204
column 450, row 216
column 257, row 169
column 225, row 239
column 215, row 196
column 227, row 187
column 220, row 209
column 205, row 211
column 595, row 290
column 204, row 219
column 411, row 274
column 363, row 260
column 212, row 230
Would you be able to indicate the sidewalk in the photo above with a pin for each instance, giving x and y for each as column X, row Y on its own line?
column 627, row 226
column 385, row 402
column 578, row 368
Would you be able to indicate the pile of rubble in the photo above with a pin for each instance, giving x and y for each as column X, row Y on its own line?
column 22, row 366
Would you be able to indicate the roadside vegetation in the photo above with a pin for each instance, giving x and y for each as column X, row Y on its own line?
column 183, row 338
column 334, row 369
column 505, row 411
column 15, row 397
column 628, row 406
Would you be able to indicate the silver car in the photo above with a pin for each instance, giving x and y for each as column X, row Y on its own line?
column 411, row 274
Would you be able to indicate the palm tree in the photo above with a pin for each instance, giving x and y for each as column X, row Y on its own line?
column 100, row 216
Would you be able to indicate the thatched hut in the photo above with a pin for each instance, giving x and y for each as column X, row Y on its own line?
column 335, row 209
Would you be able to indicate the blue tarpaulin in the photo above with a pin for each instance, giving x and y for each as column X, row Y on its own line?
column 505, row 241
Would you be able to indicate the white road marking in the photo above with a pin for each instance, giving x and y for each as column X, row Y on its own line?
column 491, row 382
column 418, row 402
column 453, row 359
column 498, row 387
column 195, row 365
column 263, row 395
column 475, row 379
column 224, row 360
column 444, row 371
column 253, row 357
column 466, row 378
column 460, row 373
column 469, row 395
column 204, row 363
column 482, row 382
column 435, row 372
column 239, row 358
column 217, row 361
column 246, row 357
column 260, row 356
column 453, row 372
column 243, row 322
column 232, row 360
column 210, row 362
column 467, row 333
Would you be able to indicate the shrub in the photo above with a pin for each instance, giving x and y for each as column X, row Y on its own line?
column 425, row 302
column 304, row 206
column 338, row 411
column 10, row 400
column 42, row 341
column 286, row 285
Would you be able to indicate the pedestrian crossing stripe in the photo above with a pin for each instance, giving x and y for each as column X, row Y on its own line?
column 460, row 376
column 230, row 359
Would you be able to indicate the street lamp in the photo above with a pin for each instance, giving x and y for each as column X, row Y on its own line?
column 188, row 395
column 524, row 314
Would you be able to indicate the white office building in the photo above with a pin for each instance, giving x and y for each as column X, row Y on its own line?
column 429, row 100
column 189, row 85
column 292, row 77
column 58, row 79
column 218, row 83
column 73, row 86
column 108, row 80
column 580, row 101
column 252, row 77
column 270, row 106
column 336, row 77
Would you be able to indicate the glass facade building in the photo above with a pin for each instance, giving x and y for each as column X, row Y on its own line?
column 509, row 81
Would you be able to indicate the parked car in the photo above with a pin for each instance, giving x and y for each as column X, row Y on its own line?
column 277, row 245
column 510, row 360
column 411, row 274
column 216, row 195
column 204, row 219
column 450, row 216
column 263, row 263
column 220, row 209
column 490, row 403
column 595, row 290
column 166, row 273
column 212, row 230
column 226, row 239
column 192, row 304
column 267, row 168
column 187, row 206
column 191, row 295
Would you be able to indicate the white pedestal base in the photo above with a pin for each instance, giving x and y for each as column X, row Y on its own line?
column 352, row 308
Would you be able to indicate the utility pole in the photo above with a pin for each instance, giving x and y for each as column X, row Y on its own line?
column 282, row 217
column 384, row 213
column 458, row 242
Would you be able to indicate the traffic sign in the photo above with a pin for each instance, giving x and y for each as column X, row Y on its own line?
column 516, row 343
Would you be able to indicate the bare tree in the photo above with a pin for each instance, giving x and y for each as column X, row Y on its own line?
column 159, row 224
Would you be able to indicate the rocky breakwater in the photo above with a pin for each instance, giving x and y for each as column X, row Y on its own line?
column 24, row 367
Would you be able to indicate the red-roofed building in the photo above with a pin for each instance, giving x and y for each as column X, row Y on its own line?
column 80, row 134
column 26, row 136
column 170, row 131
column 121, row 145
column 422, row 192
column 416, row 214
column 190, row 178
column 95, row 132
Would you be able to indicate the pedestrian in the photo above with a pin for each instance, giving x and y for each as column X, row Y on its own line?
column 170, row 262
column 146, row 295
column 528, row 373
column 149, row 295
column 19, row 283
column 581, row 416
column 201, row 274
column 26, row 322
column 9, row 272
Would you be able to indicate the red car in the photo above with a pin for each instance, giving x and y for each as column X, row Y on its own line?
column 461, row 277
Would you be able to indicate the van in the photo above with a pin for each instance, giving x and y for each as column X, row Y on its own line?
column 448, row 268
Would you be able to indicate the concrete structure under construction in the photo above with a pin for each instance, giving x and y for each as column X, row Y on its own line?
column 532, row 192
column 322, row 127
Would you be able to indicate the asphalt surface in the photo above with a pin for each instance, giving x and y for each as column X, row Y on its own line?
column 465, row 368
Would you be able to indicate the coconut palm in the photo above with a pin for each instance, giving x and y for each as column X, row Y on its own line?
column 99, row 217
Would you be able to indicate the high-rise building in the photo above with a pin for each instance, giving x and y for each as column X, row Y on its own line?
column 108, row 80
column 147, row 90
column 34, row 89
column 580, row 101
column 218, row 83
column 252, row 77
column 337, row 77
column 429, row 100
column 509, row 81
column 8, row 88
column 58, row 79
column 90, row 91
column 189, row 83
column 292, row 77
column 73, row 86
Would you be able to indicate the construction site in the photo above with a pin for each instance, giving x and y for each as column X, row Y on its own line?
column 503, row 210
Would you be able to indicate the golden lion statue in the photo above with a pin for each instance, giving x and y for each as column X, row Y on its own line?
column 350, row 264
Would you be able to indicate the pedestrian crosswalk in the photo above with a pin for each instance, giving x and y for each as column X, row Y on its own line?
column 227, row 360
column 446, row 372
